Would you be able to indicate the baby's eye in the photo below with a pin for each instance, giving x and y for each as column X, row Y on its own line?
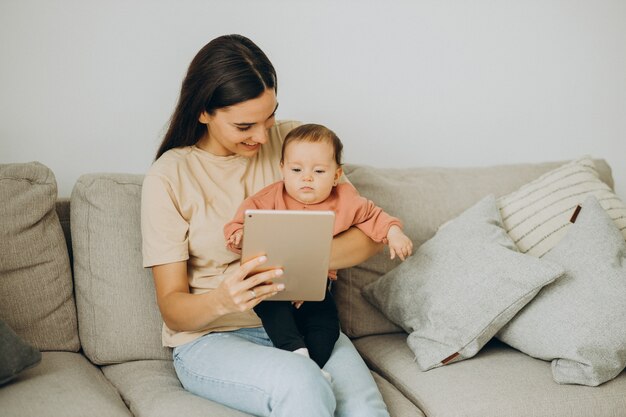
column 296, row 169
column 319, row 171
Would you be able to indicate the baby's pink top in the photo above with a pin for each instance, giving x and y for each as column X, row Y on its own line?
column 351, row 209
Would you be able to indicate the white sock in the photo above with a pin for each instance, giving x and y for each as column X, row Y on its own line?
column 302, row 351
column 328, row 377
column 305, row 352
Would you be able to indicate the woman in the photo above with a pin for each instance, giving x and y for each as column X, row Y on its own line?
column 221, row 146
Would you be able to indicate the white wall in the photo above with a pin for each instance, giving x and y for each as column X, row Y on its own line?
column 88, row 86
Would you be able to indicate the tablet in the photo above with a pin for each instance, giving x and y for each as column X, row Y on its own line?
column 298, row 241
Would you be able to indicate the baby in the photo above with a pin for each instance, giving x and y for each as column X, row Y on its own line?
column 311, row 169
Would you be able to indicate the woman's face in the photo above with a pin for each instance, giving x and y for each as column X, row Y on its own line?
column 239, row 129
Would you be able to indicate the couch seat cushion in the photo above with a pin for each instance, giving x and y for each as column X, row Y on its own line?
column 64, row 384
column 498, row 382
column 151, row 388
column 397, row 404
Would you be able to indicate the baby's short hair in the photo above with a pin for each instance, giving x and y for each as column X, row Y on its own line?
column 314, row 133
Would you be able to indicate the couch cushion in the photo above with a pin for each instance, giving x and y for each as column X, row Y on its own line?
column 579, row 321
column 151, row 388
column 498, row 382
column 65, row 385
column 459, row 288
column 537, row 216
column 424, row 198
column 397, row 404
column 36, row 298
column 117, row 312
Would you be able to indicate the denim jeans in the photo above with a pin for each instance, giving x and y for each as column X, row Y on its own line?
column 242, row 369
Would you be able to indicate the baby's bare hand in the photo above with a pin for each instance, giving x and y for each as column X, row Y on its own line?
column 235, row 239
column 399, row 243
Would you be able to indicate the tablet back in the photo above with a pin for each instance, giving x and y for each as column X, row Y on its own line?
column 297, row 241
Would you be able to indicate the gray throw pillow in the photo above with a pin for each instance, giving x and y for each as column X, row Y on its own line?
column 15, row 354
column 579, row 322
column 460, row 287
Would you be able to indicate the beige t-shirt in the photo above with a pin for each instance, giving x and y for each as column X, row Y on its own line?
column 188, row 196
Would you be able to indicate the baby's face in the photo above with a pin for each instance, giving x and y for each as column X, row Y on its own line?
column 310, row 171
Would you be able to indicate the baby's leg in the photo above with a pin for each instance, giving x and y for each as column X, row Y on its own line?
column 279, row 323
column 318, row 321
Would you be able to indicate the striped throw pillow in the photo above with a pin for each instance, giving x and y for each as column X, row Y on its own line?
column 537, row 215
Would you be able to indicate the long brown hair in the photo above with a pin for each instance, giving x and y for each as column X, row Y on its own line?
column 228, row 70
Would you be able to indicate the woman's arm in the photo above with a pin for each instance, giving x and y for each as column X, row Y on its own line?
column 352, row 247
column 183, row 311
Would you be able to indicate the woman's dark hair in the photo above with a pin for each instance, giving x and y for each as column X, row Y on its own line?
column 314, row 133
column 228, row 70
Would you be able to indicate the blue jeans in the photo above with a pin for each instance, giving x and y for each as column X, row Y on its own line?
column 241, row 369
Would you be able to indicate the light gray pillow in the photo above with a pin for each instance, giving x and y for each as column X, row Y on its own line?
column 460, row 287
column 579, row 322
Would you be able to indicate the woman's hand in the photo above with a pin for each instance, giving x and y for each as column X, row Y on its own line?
column 241, row 291
column 183, row 311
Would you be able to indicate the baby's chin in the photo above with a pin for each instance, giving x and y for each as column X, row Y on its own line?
column 310, row 200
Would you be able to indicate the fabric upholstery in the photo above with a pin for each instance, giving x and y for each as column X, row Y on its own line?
column 62, row 207
column 151, row 388
column 579, row 321
column 397, row 404
column 64, row 384
column 423, row 198
column 537, row 216
column 497, row 382
column 36, row 298
column 117, row 312
column 15, row 354
column 459, row 288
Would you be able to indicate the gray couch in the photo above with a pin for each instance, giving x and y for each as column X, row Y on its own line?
column 99, row 327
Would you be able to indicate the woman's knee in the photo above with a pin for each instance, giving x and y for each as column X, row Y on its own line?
column 304, row 387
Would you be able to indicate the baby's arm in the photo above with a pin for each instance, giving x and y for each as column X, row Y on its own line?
column 378, row 225
column 233, row 230
column 399, row 243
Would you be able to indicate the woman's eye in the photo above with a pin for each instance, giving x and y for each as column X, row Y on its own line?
column 243, row 129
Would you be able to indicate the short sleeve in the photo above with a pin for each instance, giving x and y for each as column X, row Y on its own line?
column 164, row 231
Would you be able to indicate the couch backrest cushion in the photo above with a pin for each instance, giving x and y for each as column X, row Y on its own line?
column 117, row 312
column 36, row 296
column 423, row 198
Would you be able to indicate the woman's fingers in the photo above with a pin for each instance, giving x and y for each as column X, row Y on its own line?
column 246, row 289
column 262, row 293
column 246, row 269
